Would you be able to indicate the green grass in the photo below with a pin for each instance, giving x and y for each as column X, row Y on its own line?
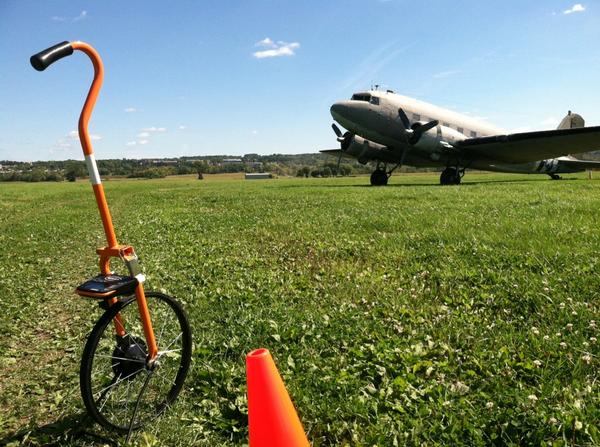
column 408, row 315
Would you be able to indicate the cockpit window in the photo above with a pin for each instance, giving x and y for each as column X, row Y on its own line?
column 374, row 100
column 361, row 97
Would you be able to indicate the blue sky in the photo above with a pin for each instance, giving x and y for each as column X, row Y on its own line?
column 186, row 77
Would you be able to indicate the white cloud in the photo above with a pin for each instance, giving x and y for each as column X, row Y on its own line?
column 130, row 110
column 445, row 74
column 82, row 15
column 182, row 127
column 255, row 132
column 577, row 7
column 74, row 135
column 266, row 42
column 275, row 49
column 69, row 139
column 146, row 135
column 370, row 67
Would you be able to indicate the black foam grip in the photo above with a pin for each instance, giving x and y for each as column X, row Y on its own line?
column 45, row 58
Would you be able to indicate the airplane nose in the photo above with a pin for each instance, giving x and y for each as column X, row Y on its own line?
column 335, row 109
column 339, row 110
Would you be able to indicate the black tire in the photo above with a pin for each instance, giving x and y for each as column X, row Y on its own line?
column 114, row 369
column 450, row 176
column 379, row 178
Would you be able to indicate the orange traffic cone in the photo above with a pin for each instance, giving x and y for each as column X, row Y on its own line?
column 272, row 419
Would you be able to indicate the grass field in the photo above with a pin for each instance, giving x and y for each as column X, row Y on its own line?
column 408, row 315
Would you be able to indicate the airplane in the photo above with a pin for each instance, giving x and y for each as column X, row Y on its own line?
column 392, row 130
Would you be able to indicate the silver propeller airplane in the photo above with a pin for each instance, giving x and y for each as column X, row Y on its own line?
column 392, row 130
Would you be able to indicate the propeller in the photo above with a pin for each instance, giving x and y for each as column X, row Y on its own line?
column 417, row 131
column 342, row 139
column 404, row 118
column 338, row 132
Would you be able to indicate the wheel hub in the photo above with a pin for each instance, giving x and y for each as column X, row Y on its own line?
column 129, row 356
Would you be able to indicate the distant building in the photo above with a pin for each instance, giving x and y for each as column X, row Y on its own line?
column 232, row 160
column 257, row 176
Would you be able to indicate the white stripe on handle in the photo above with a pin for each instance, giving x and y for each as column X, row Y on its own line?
column 90, row 161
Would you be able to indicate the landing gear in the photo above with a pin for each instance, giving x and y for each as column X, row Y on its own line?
column 555, row 177
column 379, row 177
column 451, row 176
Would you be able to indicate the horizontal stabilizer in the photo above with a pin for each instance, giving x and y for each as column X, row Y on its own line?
column 579, row 164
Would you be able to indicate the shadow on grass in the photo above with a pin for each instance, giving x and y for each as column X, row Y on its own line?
column 69, row 430
column 429, row 185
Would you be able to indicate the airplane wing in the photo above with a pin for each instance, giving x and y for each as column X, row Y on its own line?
column 336, row 153
column 532, row 146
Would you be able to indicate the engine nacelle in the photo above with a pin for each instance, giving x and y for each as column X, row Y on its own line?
column 365, row 150
column 431, row 140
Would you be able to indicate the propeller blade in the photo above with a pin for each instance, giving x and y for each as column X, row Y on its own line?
column 404, row 118
column 429, row 125
column 337, row 169
column 420, row 130
column 337, row 130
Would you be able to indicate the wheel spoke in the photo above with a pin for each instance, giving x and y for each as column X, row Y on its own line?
column 120, row 358
column 104, row 397
column 120, row 380
column 174, row 340
column 168, row 352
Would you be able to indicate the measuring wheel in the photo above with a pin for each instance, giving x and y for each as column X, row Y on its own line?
column 121, row 388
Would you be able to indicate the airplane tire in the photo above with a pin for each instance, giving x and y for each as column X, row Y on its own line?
column 384, row 178
column 457, row 177
column 379, row 178
column 450, row 176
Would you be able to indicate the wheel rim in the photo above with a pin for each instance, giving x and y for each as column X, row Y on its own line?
column 115, row 372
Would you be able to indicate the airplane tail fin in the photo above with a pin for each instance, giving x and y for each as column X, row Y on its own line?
column 572, row 121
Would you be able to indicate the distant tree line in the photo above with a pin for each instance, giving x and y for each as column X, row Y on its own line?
column 327, row 170
column 315, row 165
column 299, row 165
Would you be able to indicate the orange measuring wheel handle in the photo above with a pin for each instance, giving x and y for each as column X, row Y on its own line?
column 40, row 62
column 43, row 60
